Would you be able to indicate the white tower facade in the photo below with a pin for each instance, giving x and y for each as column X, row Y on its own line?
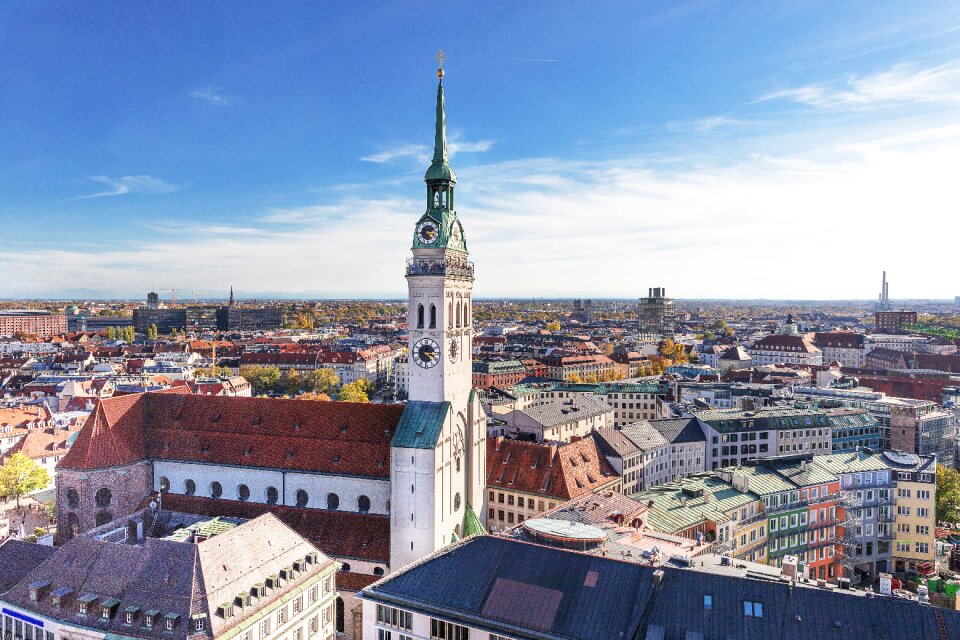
column 439, row 464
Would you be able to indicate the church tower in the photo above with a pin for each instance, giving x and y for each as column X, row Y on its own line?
column 437, row 484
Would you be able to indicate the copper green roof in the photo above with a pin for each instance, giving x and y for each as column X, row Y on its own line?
column 440, row 168
column 471, row 523
column 420, row 425
column 706, row 498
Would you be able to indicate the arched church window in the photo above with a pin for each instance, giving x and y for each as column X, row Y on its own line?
column 456, row 502
column 189, row 487
column 243, row 493
column 272, row 495
column 443, row 198
column 333, row 501
column 420, row 317
column 216, row 489
column 104, row 497
column 450, row 315
column 73, row 524
column 458, row 313
column 164, row 483
column 302, row 498
column 433, row 316
column 73, row 498
column 363, row 504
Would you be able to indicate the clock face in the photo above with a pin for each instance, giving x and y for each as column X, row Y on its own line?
column 454, row 350
column 427, row 232
column 426, row 353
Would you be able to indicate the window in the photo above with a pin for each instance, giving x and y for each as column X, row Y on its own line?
column 103, row 497
column 923, row 512
column 169, row 624
column 752, row 609
column 363, row 504
column 302, row 498
column 73, row 498
column 216, row 490
column 243, row 493
column 272, row 495
column 333, row 501
column 395, row 617
column 923, row 495
column 189, row 487
column 440, row 630
column 420, row 317
column 198, row 624
column 164, row 483
column 383, row 634
column 707, row 602
column 265, row 627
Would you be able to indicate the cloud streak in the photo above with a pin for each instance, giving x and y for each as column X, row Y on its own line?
column 901, row 84
column 211, row 95
column 130, row 184
column 422, row 154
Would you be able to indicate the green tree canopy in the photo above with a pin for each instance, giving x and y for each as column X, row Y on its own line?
column 21, row 475
column 292, row 382
column 353, row 392
column 323, row 381
column 948, row 494
column 262, row 379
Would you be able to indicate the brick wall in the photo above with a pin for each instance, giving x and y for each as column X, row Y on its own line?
column 77, row 507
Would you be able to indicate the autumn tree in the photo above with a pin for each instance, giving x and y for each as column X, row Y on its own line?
column 20, row 476
column 353, row 392
column 948, row 494
column 262, row 379
column 553, row 326
column 214, row 372
column 292, row 382
column 111, row 333
column 323, row 381
column 313, row 395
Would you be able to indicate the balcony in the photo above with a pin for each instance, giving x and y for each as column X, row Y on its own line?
column 800, row 504
column 446, row 267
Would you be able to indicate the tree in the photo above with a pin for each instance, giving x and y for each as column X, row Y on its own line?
column 292, row 382
column 111, row 333
column 313, row 395
column 353, row 392
column 152, row 332
column 262, row 379
column 129, row 333
column 21, row 475
column 553, row 326
column 213, row 372
column 948, row 494
column 323, row 381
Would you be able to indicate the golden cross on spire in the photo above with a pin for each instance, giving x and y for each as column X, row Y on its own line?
column 440, row 58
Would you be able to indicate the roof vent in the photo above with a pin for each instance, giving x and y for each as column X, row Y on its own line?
column 658, row 577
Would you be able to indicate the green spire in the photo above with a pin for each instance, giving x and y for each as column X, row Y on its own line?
column 440, row 138
column 440, row 168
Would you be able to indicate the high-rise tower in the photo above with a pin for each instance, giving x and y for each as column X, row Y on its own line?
column 435, row 481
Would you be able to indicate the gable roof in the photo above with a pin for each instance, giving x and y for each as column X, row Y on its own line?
column 563, row 472
column 344, row 438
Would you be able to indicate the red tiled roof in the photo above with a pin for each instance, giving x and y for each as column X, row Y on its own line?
column 562, row 472
column 343, row 438
column 341, row 534
column 43, row 443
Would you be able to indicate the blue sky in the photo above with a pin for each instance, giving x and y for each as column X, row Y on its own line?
column 720, row 149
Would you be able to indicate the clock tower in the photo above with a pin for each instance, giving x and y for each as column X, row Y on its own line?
column 437, row 483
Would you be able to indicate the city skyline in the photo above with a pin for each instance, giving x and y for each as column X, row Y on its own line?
column 286, row 156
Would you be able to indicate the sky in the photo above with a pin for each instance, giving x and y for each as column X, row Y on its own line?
column 784, row 150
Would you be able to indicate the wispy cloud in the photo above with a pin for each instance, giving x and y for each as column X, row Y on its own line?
column 706, row 125
column 417, row 151
column 422, row 153
column 213, row 95
column 130, row 184
column 902, row 84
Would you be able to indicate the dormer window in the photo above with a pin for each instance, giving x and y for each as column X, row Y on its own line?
column 84, row 602
column 130, row 615
column 108, row 607
column 150, row 617
column 170, row 621
column 200, row 621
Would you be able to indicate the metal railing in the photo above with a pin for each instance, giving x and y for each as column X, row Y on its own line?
column 440, row 267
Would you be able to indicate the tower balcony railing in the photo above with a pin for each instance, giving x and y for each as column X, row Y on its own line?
column 440, row 267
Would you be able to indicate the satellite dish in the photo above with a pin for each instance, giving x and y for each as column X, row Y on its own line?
column 153, row 504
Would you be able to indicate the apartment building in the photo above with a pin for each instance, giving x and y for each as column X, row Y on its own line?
column 735, row 436
column 524, row 479
column 785, row 349
column 30, row 322
column 846, row 347
column 853, row 429
column 559, row 420
column 502, row 373
column 655, row 452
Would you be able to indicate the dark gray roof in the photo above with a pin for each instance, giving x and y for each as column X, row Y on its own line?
column 527, row 591
column 679, row 430
column 17, row 559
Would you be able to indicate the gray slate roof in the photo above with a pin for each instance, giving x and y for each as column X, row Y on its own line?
column 567, row 410
column 526, row 591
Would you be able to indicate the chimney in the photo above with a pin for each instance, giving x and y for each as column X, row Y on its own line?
column 658, row 577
